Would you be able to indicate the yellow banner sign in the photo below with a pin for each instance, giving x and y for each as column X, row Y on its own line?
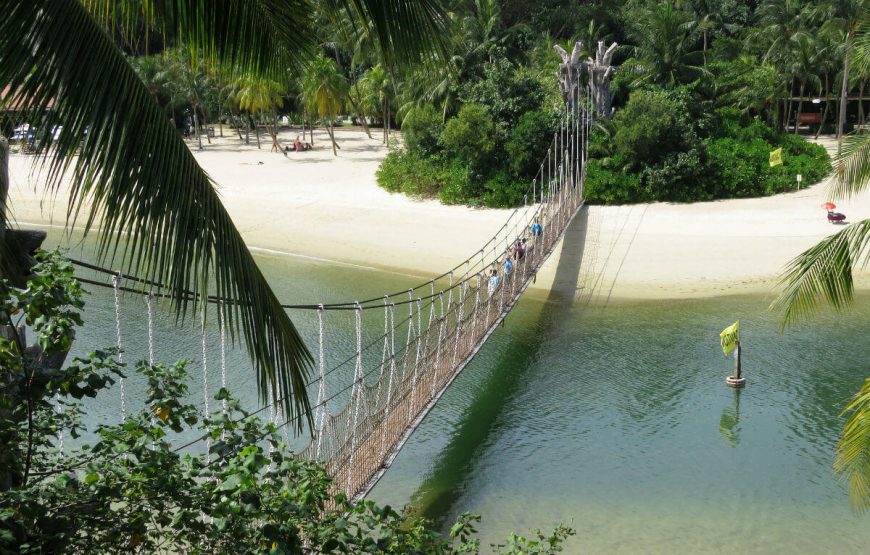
column 776, row 158
column 729, row 338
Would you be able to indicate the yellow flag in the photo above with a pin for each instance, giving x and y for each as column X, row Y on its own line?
column 776, row 157
column 729, row 337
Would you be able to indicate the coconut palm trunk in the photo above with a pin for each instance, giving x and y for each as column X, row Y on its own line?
column 827, row 106
column 253, row 124
column 797, row 115
column 4, row 185
column 844, row 92
column 196, row 125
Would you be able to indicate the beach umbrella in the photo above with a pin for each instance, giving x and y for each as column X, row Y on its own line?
column 829, row 206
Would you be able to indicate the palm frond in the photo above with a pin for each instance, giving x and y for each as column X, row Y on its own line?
column 852, row 460
column 258, row 37
column 403, row 29
column 144, row 183
column 822, row 272
column 851, row 167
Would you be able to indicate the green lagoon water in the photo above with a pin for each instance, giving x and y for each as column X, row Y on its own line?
column 615, row 419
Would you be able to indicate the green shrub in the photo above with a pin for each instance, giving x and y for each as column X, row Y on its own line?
column 421, row 130
column 608, row 185
column 457, row 186
column 503, row 190
column 405, row 172
column 470, row 137
column 653, row 125
column 531, row 136
column 678, row 177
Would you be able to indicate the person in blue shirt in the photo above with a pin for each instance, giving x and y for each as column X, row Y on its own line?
column 494, row 279
column 536, row 229
column 508, row 265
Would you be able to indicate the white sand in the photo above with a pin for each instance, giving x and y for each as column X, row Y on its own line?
column 315, row 204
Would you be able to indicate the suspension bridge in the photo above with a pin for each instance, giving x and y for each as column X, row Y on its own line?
column 448, row 320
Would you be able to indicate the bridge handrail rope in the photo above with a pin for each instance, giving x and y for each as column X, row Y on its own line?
column 359, row 441
column 347, row 305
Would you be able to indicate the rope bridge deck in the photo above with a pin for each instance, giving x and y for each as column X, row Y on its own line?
column 360, row 441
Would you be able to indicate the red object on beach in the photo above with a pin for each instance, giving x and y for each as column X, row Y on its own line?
column 829, row 206
column 834, row 217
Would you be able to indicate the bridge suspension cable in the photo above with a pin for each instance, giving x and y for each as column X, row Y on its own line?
column 392, row 386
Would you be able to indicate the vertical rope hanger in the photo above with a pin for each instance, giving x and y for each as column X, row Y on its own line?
column 116, row 284
column 149, row 303
column 321, row 390
column 355, row 396
column 223, row 334
column 205, row 410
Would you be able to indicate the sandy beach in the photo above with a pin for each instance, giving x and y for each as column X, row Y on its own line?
column 317, row 205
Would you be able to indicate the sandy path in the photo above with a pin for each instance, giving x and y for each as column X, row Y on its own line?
column 315, row 204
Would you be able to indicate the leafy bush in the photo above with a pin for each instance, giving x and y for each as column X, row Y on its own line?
column 503, row 189
column 132, row 491
column 506, row 91
column 651, row 126
column 405, row 172
column 530, row 137
column 421, row 130
column 469, row 137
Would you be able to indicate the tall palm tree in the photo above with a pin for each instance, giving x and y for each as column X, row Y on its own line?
column 160, row 216
column 324, row 91
column 258, row 96
column 849, row 16
column 665, row 51
column 824, row 272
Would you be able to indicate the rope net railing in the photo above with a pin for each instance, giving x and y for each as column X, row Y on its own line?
column 385, row 383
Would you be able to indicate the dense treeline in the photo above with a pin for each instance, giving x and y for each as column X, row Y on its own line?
column 703, row 92
column 714, row 86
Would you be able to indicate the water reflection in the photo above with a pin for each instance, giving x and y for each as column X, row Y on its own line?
column 728, row 423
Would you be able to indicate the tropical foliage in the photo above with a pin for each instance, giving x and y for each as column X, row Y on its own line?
column 128, row 487
column 156, row 211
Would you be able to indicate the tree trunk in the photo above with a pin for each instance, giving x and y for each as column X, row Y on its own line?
column 331, row 131
column 237, row 122
column 362, row 118
column 256, row 129
column 384, row 116
column 797, row 115
column 196, row 126
column 844, row 93
column 4, row 185
column 862, row 85
column 787, row 115
column 827, row 107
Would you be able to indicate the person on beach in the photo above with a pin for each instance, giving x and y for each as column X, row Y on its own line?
column 536, row 229
column 492, row 284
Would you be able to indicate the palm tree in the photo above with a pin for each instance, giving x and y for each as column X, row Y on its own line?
column 848, row 16
column 824, row 272
column 324, row 91
column 665, row 51
column 160, row 216
column 377, row 90
column 781, row 24
column 258, row 95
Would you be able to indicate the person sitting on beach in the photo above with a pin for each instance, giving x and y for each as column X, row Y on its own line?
column 492, row 284
column 536, row 229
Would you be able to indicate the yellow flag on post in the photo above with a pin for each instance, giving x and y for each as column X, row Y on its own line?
column 729, row 338
column 776, row 158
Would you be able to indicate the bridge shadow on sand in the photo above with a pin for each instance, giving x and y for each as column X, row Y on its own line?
column 478, row 425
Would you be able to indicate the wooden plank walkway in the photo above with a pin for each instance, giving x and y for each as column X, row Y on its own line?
column 359, row 443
